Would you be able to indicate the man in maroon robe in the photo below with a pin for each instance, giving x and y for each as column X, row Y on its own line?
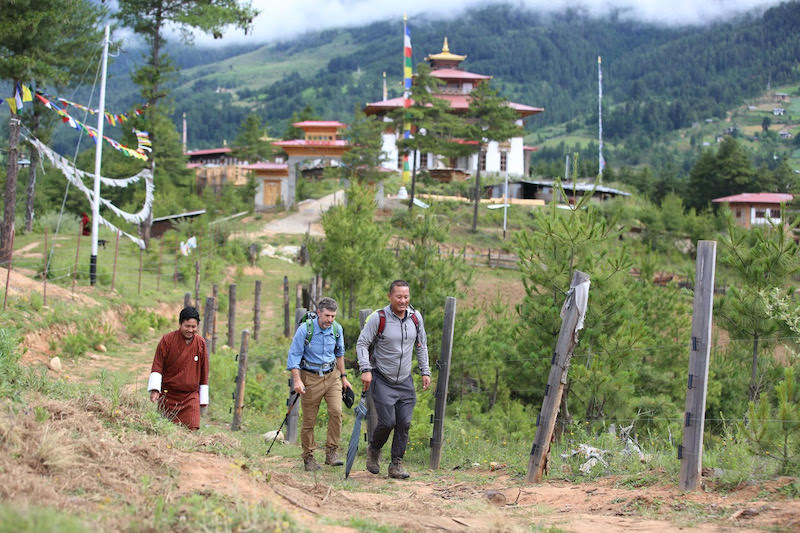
column 179, row 376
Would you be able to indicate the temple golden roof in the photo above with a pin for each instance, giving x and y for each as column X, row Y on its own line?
column 445, row 54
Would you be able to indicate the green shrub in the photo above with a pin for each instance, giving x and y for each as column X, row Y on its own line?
column 138, row 323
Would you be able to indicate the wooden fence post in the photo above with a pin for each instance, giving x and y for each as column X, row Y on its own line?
column 141, row 252
column 231, row 315
column 46, row 265
column 238, row 398
column 306, row 298
column 187, row 299
column 11, row 257
column 74, row 268
column 197, row 284
column 114, row 270
column 298, row 297
column 294, row 415
column 257, row 310
column 175, row 271
column 372, row 415
column 286, row 327
column 158, row 271
column 442, row 382
column 208, row 311
column 554, row 389
column 215, row 296
column 691, row 452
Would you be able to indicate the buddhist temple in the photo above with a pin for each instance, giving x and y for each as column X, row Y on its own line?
column 507, row 158
column 321, row 141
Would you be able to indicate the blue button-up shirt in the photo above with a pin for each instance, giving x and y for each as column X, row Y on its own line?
column 320, row 351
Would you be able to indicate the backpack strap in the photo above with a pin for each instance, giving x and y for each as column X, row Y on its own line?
column 337, row 332
column 381, row 322
column 415, row 320
column 309, row 329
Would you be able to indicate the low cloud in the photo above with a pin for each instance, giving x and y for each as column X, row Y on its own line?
column 282, row 19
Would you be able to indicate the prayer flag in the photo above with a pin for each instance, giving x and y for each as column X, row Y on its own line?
column 407, row 74
column 26, row 94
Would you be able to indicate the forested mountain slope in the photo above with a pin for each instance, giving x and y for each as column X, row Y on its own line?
column 656, row 78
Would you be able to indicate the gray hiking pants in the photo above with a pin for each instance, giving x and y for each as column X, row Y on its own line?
column 394, row 404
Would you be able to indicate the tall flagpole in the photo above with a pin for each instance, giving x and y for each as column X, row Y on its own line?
column 98, row 156
column 601, row 163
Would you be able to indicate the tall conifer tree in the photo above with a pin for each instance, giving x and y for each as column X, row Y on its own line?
column 50, row 43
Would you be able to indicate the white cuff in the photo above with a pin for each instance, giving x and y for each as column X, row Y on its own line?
column 203, row 394
column 154, row 383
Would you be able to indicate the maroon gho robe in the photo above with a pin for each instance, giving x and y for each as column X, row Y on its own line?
column 180, row 373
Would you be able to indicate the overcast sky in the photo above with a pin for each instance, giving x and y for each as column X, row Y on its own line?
column 281, row 19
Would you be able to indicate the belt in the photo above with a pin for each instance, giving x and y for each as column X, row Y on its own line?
column 321, row 370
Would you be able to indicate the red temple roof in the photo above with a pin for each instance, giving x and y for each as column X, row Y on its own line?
column 303, row 142
column 319, row 124
column 458, row 102
column 756, row 198
column 456, row 74
column 209, row 151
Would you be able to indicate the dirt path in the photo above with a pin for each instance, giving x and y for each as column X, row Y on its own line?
column 497, row 503
column 307, row 217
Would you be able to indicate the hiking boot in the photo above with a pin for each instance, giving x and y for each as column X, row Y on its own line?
column 373, row 459
column 310, row 464
column 332, row 458
column 396, row 469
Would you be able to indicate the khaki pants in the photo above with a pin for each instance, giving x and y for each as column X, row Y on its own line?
column 328, row 386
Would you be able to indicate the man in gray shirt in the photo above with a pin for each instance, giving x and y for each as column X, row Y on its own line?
column 392, row 332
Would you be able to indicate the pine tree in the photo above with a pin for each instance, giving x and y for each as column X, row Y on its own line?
column 361, row 163
column 435, row 127
column 149, row 18
column 50, row 43
column 251, row 143
column 490, row 118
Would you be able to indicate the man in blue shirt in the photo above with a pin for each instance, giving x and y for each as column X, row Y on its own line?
column 317, row 365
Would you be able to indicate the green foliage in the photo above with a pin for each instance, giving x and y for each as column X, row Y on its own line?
column 16, row 519
column 725, row 173
column 48, row 43
column 431, row 275
column 353, row 255
column 138, row 323
column 251, row 144
column 88, row 335
column 774, row 430
column 763, row 260
column 9, row 360
column 489, row 118
column 362, row 162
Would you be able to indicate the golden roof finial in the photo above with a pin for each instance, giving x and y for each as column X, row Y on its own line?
column 445, row 48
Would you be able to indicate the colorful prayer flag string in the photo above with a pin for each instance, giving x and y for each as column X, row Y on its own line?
column 407, row 75
column 142, row 137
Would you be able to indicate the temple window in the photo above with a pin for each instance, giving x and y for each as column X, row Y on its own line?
column 503, row 161
column 482, row 160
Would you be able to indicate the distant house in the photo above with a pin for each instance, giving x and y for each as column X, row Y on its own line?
column 271, row 180
column 160, row 225
column 757, row 208
column 785, row 134
column 544, row 190
column 781, row 97
column 777, row 111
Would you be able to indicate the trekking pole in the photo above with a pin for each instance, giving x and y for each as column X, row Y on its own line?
column 296, row 396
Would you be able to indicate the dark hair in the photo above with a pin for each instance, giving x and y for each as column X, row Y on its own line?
column 327, row 303
column 188, row 313
column 397, row 283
